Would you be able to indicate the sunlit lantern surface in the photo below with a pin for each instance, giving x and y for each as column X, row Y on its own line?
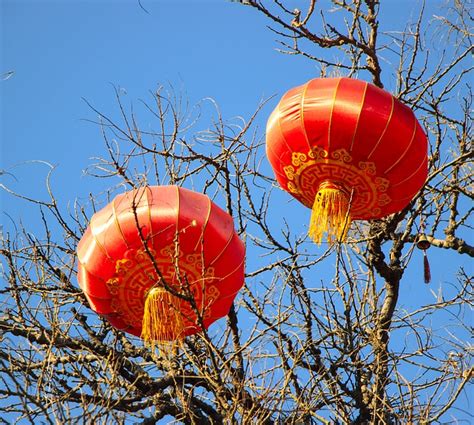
column 162, row 262
column 348, row 150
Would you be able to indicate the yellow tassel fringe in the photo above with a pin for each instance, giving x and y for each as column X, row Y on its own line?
column 162, row 321
column 330, row 215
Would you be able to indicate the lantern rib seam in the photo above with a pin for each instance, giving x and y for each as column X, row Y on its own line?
column 233, row 294
column 102, row 248
column 358, row 117
column 84, row 266
column 281, row 130
column 407, row 148
column 201, row 238
column 303, row 127
column 200, row 242
column 411, row 175
column 233, row 271
column 148, row 191
column 282, row 134
column 269, row 148
column 331, row 115
column 117, row 222
column 177, row 230
column 136, row 204
column 223, row 249
column 384, row 130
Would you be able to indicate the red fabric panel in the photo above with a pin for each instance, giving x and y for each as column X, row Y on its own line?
column 231, row 284
column 278, row 151
column 346, row 110
column 192, row 207
column 410, row 161
column 91, row 284
column 230, row 256
column 100, row 306
column 113, row 239
column 398, row 135
column 290, row 120
column 132, row 208
column 217, row 232
column 93, row 256
column 221, row 309
column 278, row 162
column 375, row 114
column 403, row 192
column 317, row 109
column 118, row 323
column 164, row 212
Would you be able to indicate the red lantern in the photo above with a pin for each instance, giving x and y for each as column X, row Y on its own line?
column 161, row 262
column 346, row 149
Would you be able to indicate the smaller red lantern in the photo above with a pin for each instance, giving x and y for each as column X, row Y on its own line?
column 162, row 262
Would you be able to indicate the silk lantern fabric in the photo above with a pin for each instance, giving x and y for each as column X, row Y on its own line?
column 154, row 238
column 347, row 149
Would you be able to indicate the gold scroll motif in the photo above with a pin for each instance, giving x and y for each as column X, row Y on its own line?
column 308, row 170
column 134, row 276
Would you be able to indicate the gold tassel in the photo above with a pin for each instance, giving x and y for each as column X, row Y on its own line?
column 426, row 267
column 423, row 243
column 330, row 214
column 162, row 321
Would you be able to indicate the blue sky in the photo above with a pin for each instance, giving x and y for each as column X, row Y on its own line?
column 63, row 51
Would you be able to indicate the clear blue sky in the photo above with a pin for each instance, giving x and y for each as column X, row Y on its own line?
column 62, row 51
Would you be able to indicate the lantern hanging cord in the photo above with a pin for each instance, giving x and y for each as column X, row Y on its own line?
column 330, row 213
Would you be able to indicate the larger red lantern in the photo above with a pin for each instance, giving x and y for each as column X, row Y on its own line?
column 346, row 149
column 162, row 262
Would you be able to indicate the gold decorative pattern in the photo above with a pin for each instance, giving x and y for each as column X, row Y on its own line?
column 308, row 170
column 135, row 275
